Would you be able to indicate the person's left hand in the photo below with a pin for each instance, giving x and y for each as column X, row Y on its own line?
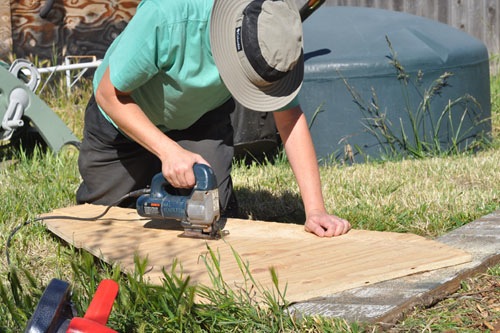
column 323, row 224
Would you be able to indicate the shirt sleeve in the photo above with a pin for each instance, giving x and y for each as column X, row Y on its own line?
column 142, row 47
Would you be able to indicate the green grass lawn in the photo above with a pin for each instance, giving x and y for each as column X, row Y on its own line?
column 428, row 197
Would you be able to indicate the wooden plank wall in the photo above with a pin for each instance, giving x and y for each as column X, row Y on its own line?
column 83, row 27
column 478, row 18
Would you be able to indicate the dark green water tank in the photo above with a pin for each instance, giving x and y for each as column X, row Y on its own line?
column 348, row 47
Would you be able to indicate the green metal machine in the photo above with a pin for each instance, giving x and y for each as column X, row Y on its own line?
column 21, row 110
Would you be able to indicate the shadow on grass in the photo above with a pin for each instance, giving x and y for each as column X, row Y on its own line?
column 259, row 204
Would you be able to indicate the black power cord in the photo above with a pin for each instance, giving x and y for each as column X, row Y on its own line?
column 133, row 194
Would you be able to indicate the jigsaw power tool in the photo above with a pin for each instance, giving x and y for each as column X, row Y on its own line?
column 198, row 211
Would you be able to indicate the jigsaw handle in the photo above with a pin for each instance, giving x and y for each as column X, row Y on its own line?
column 203, row 174
column 159, row 203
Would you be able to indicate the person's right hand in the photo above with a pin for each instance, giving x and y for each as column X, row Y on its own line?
column 177, row 167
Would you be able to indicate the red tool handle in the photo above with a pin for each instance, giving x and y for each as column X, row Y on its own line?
column 100, row 306
column 97, row 314
column 82, row 325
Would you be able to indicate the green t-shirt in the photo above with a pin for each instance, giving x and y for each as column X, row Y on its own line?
column 164, row 58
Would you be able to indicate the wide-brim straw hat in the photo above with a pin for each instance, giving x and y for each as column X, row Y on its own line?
column 258, row 49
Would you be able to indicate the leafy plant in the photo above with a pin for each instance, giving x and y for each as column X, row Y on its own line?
column 175, row 305
column 427, row 135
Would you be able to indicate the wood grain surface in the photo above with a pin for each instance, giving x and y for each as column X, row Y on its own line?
column 306, row 265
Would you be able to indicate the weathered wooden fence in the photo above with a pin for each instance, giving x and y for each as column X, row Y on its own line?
column 479, row 18
column 86, row 27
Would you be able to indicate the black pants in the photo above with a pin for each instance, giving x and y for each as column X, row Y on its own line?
column 112, row 165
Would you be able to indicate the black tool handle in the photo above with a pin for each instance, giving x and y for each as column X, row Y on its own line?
column 309, row 7
column 54, row 310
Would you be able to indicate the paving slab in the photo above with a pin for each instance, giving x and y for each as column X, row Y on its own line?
column 387, row 302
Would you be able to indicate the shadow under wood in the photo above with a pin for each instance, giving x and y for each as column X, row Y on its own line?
column 169, row 224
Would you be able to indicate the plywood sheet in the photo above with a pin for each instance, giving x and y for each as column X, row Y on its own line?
column 307, row 265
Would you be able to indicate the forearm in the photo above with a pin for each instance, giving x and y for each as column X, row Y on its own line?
column 294, row 131
column 177, row 163
column 129, row 117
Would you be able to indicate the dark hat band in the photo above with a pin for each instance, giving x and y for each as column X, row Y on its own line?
column 251, row 46
column 280, row 43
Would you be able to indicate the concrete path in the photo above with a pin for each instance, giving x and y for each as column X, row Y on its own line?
column 386, row 302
